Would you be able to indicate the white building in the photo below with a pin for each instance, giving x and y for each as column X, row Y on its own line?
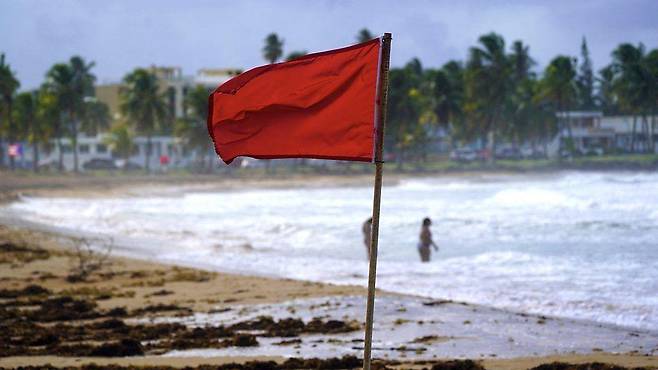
column 95, row 148
column 591, row 131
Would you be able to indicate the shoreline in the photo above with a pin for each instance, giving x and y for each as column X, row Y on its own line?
column 202, row 294
column 16, row 184
column 53, row 232
column 230, row 185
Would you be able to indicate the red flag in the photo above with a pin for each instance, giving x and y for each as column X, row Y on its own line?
column 321, row 105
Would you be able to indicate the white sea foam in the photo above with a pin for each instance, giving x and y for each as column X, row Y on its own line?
column 574, row 245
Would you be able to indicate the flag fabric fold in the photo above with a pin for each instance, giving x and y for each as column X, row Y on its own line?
column 321, row 105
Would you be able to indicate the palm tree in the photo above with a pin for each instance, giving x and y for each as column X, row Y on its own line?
column 8, row 86
column 82, row 86
column 193, row 128
column 120, row 141
column 296, row 54
column 521, row 61
column 487, row 85
column 558, row 87
column 634, row 86
column 143, row 105
column 606, row 98
column 47, row 122
column 520, row 102
column 59, row 83
column 25, row 116
column 651, row 62
column 404, row 108
column 95, row 117
column 273, row 49
column 448, row 92
column 364, row 35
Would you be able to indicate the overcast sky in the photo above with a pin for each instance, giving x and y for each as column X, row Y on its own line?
column 121, row 35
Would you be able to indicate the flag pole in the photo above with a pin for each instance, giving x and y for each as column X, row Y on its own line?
column 382, row 96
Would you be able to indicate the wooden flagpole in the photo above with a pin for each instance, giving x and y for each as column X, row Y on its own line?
column 382, row 95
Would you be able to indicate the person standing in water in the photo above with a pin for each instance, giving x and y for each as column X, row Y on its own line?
column 426, row 241
column 367, row 235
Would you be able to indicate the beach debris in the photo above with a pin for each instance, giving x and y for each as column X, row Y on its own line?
column 242, row 340
column 457, row 365
column 30, row 290
column 161, row 292
column 288, row 342
column 437, row 302
column 124, row 348
column 16, row 254
column 90, row 255
column 587, row 366
column 292, row 327
column 429, row 339
column 160, row 307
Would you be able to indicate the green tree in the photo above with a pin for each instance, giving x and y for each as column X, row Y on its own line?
column 486, row 86
column 633, row 87
column 59, row 83
column 651, row 61
column 193, row 129
column 447, row 92
column 521, row 61
column 605, row 96
column 95, row 117
column 82, row 86
column 364, row 35
column 296, row 54
column 558, row 88
column 8, row 86
column 47, row 122
column 406, row 104
column 120, row 141
column 144, row 106
column 273, row 49
column 585, row 79
column 520, row 105
column 25, row 113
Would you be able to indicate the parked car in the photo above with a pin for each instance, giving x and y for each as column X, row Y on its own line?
column 100, row 164
column 594, row 150
column 508, row 153
column 48, row 165
column 532, row 153
column 463, row 155
column 483, row 155
column 131, row 166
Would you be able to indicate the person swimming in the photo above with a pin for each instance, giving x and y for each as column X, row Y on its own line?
column 426, row 241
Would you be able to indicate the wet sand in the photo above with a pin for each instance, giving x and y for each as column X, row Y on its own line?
column 136, row 313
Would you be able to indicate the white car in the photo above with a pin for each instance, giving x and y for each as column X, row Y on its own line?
column 463, row 155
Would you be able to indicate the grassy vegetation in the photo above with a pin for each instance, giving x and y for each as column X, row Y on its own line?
column 429, row 166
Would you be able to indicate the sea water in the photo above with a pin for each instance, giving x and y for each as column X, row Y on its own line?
column 575, row 245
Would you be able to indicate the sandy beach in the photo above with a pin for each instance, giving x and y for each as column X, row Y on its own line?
column 140, row 313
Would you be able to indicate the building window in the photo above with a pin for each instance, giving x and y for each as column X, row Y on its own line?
column 83, row 148
column 101, row 148
column 66, row 149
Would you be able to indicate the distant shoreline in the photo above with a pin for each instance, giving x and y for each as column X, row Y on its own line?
column 24, row 182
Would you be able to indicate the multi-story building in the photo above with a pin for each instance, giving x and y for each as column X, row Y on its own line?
column 591, row 131
column 173, row 84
